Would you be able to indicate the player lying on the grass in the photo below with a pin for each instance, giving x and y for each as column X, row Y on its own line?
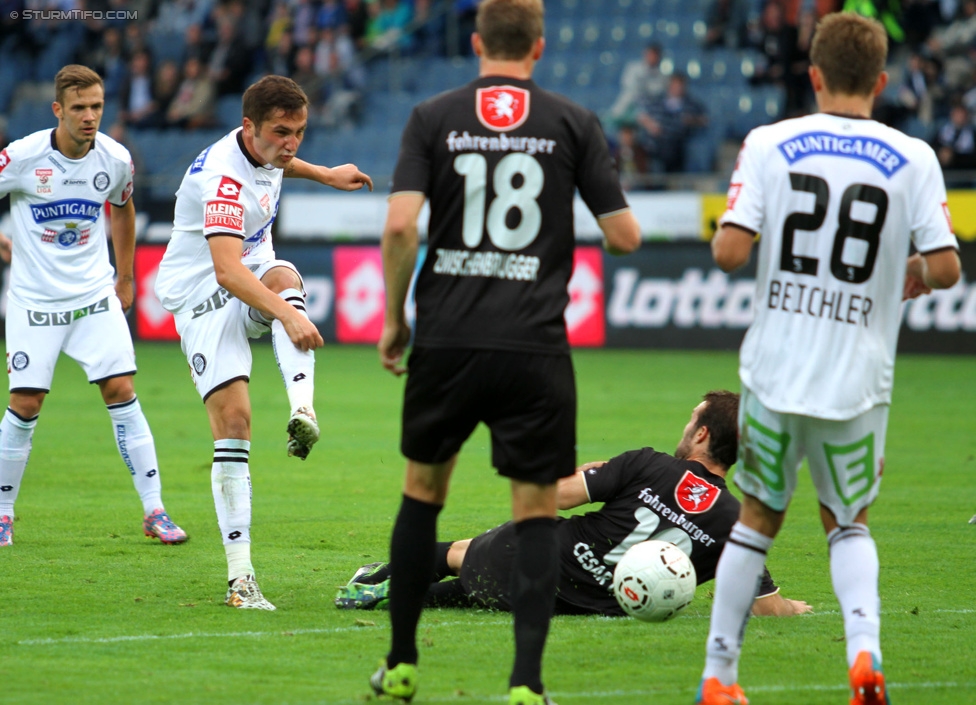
column 64, row 294
column 646, row 493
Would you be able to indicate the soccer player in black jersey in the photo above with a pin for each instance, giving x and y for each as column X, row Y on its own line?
column 646, row 494
column 499, row 159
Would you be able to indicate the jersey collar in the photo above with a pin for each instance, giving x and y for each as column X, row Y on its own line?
column 247, row 155
column 54, row 146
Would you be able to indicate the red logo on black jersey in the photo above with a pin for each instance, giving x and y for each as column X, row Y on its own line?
column 228, row 188
column 502, row 108
column 695, row 495
column 4, row 160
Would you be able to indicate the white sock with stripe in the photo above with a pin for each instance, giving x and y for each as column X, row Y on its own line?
column 15, row 448
column 230, row 481
column 297, row 366
column 135, row 442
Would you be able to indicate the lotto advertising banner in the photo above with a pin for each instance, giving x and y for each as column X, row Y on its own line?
column 346, row 296
column 671, row 295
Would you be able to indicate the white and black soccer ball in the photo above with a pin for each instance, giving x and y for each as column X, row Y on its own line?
column 654, row 580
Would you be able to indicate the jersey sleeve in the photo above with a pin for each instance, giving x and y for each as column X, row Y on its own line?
column 607, row 481
column 223, row 212
column 932, row 224
column 412, row 171
column 122, row 192
column 9, row 170
column 596, row 175
column 745, row 203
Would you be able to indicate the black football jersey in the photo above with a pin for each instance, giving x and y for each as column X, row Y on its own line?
column 646, row 495
column 500, row 160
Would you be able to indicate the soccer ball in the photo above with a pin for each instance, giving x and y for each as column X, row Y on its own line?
column 654, row 581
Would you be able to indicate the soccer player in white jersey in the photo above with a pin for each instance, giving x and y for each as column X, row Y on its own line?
column 64, row 295
column 838, row 200
column 220, row 278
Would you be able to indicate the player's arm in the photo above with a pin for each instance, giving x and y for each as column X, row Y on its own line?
column 347, row 177
column 775, row 605
column 225, row 249
column 621, row 232
column 399, row 247
column 732, row 246
column 6, row 248
column 123, row 228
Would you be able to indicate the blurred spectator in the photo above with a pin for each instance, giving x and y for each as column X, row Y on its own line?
column 887, row 12
column 109, row 61
column 357, row 19
column 303, row 22
column 640, row 82
column 194, row 44
column 230, row 61
column 630, row 158
column 955, row 142
column 773, row 40
column 335, row 59
column 281, row 59
column 799, row 91
column 167, row 84
column 140, row 193
column 386, row 28
column 668, row 121
column 920, row 90
column 331, row 15
column 279, row 24
column 725, row 23
column 138, row 106
column 920, row 18
column 134, row 41
column 194, row 104
column 309, row 79
column 429, row 35
column 952, row 45
column 177, row 16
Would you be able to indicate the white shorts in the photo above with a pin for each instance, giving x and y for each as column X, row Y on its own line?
column 214, row 336
column 846, row 458
column 96, row 337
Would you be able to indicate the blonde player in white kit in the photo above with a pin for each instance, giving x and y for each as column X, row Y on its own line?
column 220, row 279
column 64, row 295
column 838, row 199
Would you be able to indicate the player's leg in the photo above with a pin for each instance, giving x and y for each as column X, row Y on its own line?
column 100, row 342
column 33, row 346
column 768, row 460
column 846, row 462
column 297, row 366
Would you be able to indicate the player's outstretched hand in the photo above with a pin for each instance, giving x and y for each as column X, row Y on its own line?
column 348, row 177
column 776, row 605
column 392, row 345
column 915, row 285
column 303, row 333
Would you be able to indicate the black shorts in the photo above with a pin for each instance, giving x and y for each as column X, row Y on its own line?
column 486, row 572
column 527, row 400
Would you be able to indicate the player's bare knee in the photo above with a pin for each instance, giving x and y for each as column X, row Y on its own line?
column 117, row 390
column 279, row 279
column 26, row 405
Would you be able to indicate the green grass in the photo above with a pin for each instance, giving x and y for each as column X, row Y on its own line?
column 93, row 612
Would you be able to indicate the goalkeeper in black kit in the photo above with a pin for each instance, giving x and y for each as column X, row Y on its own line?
column 647, row 494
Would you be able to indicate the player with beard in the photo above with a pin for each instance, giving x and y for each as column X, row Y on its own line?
column 500, row 160
column 64, row 295
column 646, row 494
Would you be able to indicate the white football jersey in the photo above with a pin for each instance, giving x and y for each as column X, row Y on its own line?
column 837, row 200
column 60, row 259
column 223, row 191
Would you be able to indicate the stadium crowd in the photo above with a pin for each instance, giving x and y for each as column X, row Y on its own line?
column 169, row 68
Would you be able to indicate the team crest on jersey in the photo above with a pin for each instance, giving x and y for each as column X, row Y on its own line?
column 502, row 108
column 44, row 180
column 4, row 160
column 228, row 188
column 694, row 495
column 101, row 181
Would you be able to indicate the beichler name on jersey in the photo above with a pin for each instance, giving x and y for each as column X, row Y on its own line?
column 70, row 208
column 466, row 142
column 875, row 152
column 498, row 265
column 840, row 306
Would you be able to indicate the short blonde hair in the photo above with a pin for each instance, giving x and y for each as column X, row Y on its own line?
column 77, row 77
column 509, row 28
column 850, row 51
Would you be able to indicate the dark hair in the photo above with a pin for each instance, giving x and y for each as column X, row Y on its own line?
column 850, row 52
column 509, row 28
column 271, row 94
column 720, row 416
column 76, row 77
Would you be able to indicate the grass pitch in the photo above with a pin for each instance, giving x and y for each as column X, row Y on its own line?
column 93, row 612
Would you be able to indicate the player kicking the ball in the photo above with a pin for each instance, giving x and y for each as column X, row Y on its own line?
column 838, row 199
column 64, row 295
column 221, row 280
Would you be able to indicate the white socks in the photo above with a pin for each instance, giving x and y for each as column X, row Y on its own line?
column 737, row 579
column 297, row 366
column 135, row 443
column 15, row 447
column 854, row 572
column 231, row 484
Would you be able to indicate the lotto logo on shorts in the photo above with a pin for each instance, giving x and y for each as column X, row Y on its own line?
column 224, row 215
column 228, row 188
